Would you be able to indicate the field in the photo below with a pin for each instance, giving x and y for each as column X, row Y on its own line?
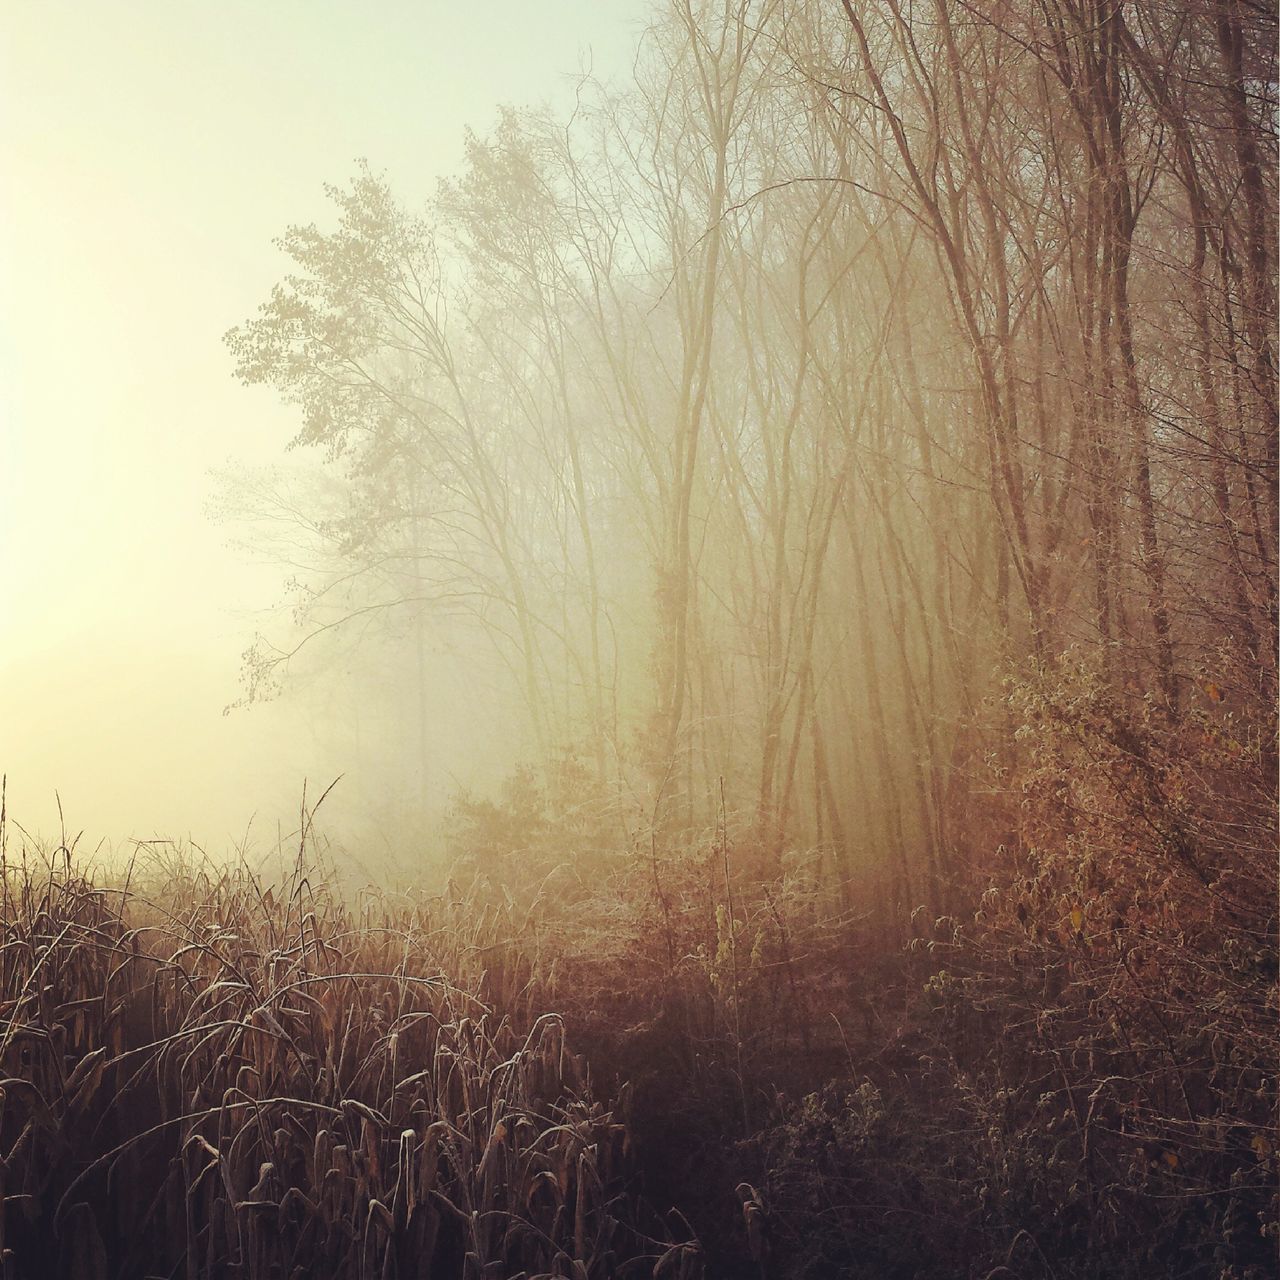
column 631, row 1067
column 209, row 1076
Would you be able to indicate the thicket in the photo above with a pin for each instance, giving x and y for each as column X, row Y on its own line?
column 1071, row 1073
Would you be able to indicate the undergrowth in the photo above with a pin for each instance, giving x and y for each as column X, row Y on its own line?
column 209, row 1071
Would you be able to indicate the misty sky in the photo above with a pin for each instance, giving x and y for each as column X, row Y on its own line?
column 150, row 152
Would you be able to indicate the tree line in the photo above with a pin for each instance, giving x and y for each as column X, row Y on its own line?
column 758, row 425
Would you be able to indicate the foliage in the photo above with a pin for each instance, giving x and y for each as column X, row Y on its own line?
column 1090, row 1086
column 1072, row 1074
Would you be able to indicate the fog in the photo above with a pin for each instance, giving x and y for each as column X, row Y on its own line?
column 602, row 391
column 151, row 153
column 756, row 522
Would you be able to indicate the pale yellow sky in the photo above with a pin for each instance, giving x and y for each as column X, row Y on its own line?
column 149, row 152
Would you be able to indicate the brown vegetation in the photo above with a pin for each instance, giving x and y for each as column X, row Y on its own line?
column 210, row 1076
column 846, row 463
column 1071, row 1076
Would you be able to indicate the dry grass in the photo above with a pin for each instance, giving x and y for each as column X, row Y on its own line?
column 208, row 1076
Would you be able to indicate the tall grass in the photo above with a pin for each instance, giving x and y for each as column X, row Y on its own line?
column 208, row 1075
